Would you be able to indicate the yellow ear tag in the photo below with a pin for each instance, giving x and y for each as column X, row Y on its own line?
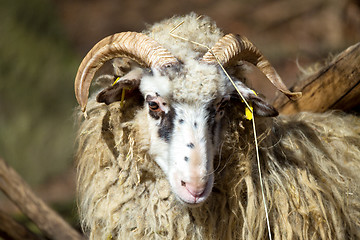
column 122, row 93
column 116, row 80
column 249, row 112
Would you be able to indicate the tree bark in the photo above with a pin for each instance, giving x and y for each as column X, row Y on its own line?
column 10, row 229
column 47, row 220
column 336, row 86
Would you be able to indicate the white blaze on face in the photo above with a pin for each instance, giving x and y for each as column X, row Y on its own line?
column 191, row 153
column 183, row 138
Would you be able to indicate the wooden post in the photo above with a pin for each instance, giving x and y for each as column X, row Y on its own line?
column 47, row 220
column 336, row 86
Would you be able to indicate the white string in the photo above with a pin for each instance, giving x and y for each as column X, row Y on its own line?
column 260, row 176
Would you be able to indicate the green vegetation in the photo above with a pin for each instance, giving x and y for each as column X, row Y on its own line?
column 37, row 70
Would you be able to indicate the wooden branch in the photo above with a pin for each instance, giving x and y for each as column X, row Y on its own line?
column 47, row 220
column 10, row 229
column 336, row 86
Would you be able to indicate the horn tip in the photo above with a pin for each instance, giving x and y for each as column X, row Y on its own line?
column 294, row 96
column 83, row 109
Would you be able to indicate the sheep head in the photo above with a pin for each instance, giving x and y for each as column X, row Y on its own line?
column 184, row 101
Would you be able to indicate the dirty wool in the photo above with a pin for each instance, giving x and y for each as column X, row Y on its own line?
column 310, row 165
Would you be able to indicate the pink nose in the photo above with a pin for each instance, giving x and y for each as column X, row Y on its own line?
column 194, row 188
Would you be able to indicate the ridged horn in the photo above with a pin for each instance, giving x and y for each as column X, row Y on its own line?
column 136, row 46
column 232, row 48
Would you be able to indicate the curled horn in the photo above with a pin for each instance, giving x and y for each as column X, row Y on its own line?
column 133, row 45
column 232, row 48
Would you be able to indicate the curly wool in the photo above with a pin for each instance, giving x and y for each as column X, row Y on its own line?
column 198, row 82
column 193, row 28
column 309, row 162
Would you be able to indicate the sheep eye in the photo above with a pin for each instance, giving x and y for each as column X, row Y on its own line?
column 153, row 106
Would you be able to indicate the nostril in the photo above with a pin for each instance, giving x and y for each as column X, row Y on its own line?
column 195, row 189
column 183, row 183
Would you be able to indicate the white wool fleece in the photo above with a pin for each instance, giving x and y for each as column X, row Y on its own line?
column 201, row 83
column 201, row 30
column 156, row 83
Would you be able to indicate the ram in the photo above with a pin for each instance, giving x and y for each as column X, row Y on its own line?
column 166, row 150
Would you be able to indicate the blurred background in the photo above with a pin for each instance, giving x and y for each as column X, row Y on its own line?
column 42, row 43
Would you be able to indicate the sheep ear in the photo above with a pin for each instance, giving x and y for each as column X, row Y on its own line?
column 260, row 106
column 130, row 82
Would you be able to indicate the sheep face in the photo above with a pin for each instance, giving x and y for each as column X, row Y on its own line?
column 182, row 143
column 184, row 133
column 184, row 108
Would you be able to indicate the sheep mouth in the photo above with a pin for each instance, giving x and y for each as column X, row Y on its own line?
column 195, row 200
